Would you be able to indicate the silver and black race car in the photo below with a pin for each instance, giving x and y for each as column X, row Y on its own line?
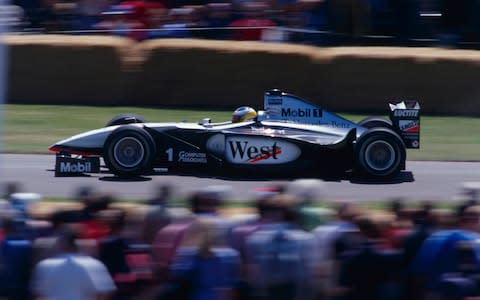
column 289, row 136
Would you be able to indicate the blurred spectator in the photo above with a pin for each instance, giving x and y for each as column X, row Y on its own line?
column 403, row 253
column 12, row 17
column 89, row 13
column 406, row 22
column 10, row 188
column 318, row 22
column 220, row 15
column 306, row 190
column 66, row 13
column 114, row 251
column 123, row 20
column 344, row 235
column 468, row 271
column 22, row 203
column 198, row 19
column 113, row 248
column 158, row 20
column 90, row 226
column 181, row 20
column 204, row 204
column 368, row 255
column 462, row 284
column 310, row 193
column 470, row 190
column 454, row 287
column 399, row 227
column 266, row 214
column 157, row 215
column 463, row 206
column 165, row 245
column 139, row 9
column 333, row 239
column 204, row 268
column 71, row 275
column 436, row 256
column 281, row 258
column 424, row 226
column 6, row 206
column 397, row 207
column 316, row 16
column 207, row 201
column 37, row 12
column 350, row 18
column 16, row 256
column 254, row 19
column 174, row 23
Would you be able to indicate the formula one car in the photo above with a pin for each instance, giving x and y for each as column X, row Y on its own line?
column 289, row 135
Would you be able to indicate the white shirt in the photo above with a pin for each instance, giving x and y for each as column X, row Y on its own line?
column 71, row 277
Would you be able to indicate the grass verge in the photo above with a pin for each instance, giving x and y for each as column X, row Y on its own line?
column 32, row 128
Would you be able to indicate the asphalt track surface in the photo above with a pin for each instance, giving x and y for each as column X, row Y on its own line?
column 437, row 181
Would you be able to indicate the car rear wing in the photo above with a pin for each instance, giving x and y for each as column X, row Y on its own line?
column 405, row 117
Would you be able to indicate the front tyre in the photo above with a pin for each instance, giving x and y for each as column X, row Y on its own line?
column 379, row 153
column 129, row 151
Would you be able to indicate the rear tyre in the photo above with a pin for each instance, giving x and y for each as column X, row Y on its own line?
column 129, row 152
column 379, row 153
column 372, row 122
column 125, row 119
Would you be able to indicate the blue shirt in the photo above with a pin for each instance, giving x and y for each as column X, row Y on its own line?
column 207, row 274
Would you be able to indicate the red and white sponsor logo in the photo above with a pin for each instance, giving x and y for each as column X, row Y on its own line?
column 260, row 151
column 409, row 126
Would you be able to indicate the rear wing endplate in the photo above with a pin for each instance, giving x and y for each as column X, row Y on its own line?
column 405, row 117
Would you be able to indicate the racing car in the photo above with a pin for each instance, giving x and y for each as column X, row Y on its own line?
column 289, row 135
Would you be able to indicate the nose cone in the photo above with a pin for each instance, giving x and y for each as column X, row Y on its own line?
column 55, row 148
column 90, row 142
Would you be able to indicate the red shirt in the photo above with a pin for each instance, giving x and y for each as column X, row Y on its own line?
column 253, row 34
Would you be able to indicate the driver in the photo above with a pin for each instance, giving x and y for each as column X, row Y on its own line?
column 243, row 113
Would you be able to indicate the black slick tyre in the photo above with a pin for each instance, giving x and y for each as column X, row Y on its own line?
column 125, row 119
column 379, row 153
column 374, row 121
column 129, row 151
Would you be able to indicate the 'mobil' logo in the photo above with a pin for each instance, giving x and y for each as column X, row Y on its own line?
column 302, row 113
column 68, row 167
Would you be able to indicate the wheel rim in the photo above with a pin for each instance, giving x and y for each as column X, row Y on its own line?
column 380, row 155
column 128, row 152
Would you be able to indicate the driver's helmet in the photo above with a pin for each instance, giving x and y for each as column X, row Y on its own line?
column 243, row 113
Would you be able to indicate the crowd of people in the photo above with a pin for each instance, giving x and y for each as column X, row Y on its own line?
column 319, row 22
column 283, row 247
